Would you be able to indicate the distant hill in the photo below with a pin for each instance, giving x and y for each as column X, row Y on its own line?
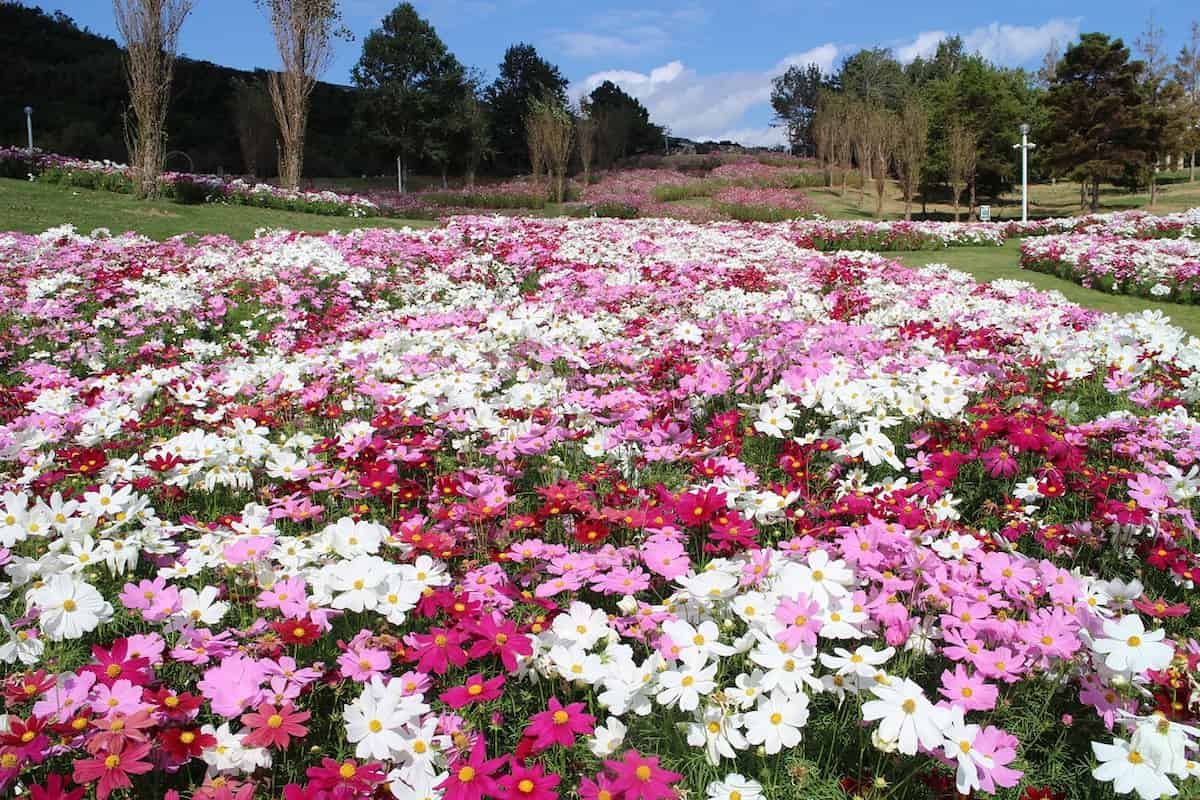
column 74, row 81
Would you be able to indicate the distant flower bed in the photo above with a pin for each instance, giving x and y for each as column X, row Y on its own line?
column 1162, row 269
column 761, row 205
column 1125, row 224
column 830, row 235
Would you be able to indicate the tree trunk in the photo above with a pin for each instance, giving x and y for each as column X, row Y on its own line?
column 846, row 177
column 971, row 208
column 907, row 207
column 1095, row 195
column 1082, row 195
column 957, row 196
column 1192, row 169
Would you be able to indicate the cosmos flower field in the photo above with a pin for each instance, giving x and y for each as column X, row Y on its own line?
column 619, row 510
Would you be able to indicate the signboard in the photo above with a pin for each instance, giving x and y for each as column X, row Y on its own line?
column 985, row 213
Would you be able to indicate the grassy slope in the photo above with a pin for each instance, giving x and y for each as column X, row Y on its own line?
column 34, row 207
column 1045, row 200
column 989, row 263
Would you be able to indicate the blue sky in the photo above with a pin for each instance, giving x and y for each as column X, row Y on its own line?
column 702, row 68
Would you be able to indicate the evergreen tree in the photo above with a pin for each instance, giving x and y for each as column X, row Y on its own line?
column 524, row 76
column 412, row 86
column 1098, row 123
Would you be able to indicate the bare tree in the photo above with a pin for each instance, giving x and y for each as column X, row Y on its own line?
column 1045, row 74
column 304, row 34
column 150, row 31
column 550, row 130
column 843, row 147
column 254, row 120
column 858, row 119
column 878, row 142
column 1187, row 73
column 824, row 134
column 911, row 140
column 962, row 154
column 585, row 131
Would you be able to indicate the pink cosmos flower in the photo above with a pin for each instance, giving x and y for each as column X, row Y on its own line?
column 272, row 726
column 111, row 770
column 968, row 691
column 121, row 698
column 470, row 777
column 475, row 690
column 528, row 783
column 638, row 777
column 1148, row 492
column 361, row 663
column 287, row 595
column 559, row 724
column 799, row 615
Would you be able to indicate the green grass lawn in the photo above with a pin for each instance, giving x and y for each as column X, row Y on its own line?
column 990, row 263
column 33, row 207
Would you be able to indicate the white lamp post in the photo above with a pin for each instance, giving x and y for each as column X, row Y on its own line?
column 29, row 126
column 1025, row 146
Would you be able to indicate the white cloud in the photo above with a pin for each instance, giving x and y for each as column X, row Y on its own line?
column 629, row 32
column 1007, row 45
column 923, row 46
column 707, row 106
column 1013, row 45
column 726, row 105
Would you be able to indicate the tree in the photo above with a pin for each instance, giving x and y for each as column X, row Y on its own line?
column 877, row 142
column 254, row 119
column 794, row 96
column 961, row 156
column 1045, row 73
column 470, row 129
column 304, row 33
column 623, row 124
column 412, row 88
column 150, row 29
column 550, row 128
column 911, row 139
column 524, row 76
column 1097, row 128
column 875, row 77
column 1187, row 74
column 1165, row 107
column 586, row 128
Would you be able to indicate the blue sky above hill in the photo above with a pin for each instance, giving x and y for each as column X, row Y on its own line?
column 702, row 68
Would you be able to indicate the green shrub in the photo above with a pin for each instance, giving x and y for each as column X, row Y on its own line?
column 617, row 210
column 188, row 192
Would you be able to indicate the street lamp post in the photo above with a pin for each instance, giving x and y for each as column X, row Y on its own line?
column 29, row 126
column 1025, row 146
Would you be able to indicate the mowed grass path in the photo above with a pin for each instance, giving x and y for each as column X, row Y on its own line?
column 987, row 264
column 32, row 207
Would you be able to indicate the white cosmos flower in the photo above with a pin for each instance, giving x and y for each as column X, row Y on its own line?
column 606, row 739
column 69, row 607
column 777, row 722
column 735, row 787
column 960, row 748
column 699, row 641
column 862, row 662
column 201, row 607
column 718, row 732
column 374, row 725
column 905, row 716
column 582, row 625
column 1129, row 647
column 683, row 685
column 1130, row 770
column 820, row 577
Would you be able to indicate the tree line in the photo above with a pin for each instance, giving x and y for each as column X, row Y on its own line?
column 945, row 127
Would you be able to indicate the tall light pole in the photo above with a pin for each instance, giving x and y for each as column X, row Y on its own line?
column 1025, row 146
column 29, row 126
